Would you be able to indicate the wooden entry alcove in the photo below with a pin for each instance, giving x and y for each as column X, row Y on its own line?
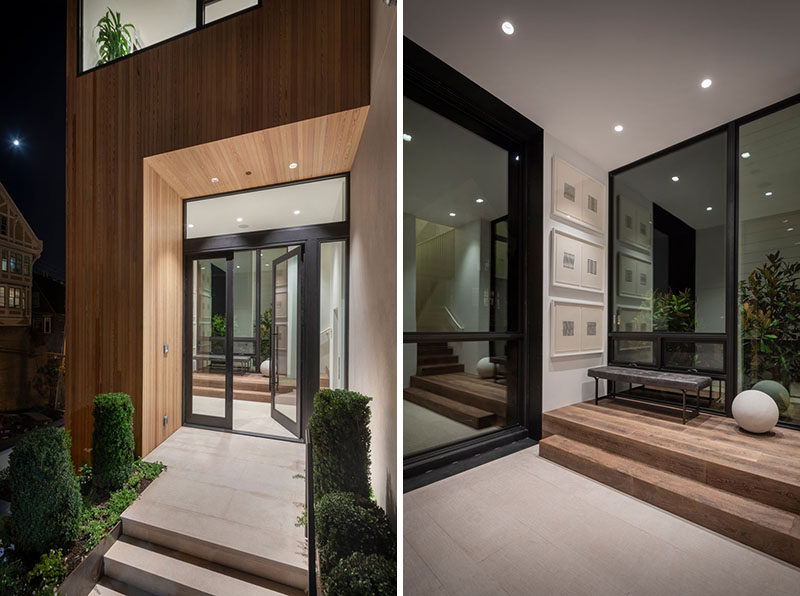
column 320, row 146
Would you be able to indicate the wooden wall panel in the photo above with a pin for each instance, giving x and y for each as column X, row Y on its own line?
column 287, row 61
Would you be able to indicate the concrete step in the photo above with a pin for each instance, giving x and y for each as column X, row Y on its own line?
column 466, row 414
column 766, row 528
column 163, row 572
column 108, row 586
column 270, row 555
column 426, row 370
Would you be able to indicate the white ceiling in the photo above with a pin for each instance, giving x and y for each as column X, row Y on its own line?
column 578, row 67
column 321, row 201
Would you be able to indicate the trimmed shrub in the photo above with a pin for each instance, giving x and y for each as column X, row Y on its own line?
column 346, row 524
column 45, row 498
column 340, row 439
column 363, row 575
column 112, row 440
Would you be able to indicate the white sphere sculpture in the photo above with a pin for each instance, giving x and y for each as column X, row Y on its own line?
column 755, row 411
column 485, row 368
column 265, row 367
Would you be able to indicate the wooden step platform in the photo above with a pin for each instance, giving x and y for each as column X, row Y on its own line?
column 426, row 370
column 466, row 389
column 744, row 486
column 460, row 412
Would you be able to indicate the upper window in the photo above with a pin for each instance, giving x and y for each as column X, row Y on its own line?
column 4, row 261
column 4, row 225
column 289, row 206
column 669, row 240
column 2, row 296
column 111, row 29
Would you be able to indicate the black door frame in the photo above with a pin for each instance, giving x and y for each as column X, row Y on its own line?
column 311, row 237
column 277, row 415
column 432, row 83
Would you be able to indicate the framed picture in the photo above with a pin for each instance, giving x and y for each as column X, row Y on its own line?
column 632, row 319
column 644, row 227
column 577, row 197
column 626, row 220
column 576, row 328
column 577, row 263
column 633, row 276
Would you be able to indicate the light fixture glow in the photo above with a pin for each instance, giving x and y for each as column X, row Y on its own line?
column 16, row 142
column 675, row 178
column 516, row 158
column 618, row 128
column 239, row 219
column 296, row 212
column 238, row 266
column 790, row 229
column 745, row 155
column 705, row 83
column 507, row 28
column 292, row 165
column 215, row 179
column 452, row 214
column 190, row 226
column 768, row 193
column 479, row 200
column 407, row 137
column 709, row 208
column 785, row 221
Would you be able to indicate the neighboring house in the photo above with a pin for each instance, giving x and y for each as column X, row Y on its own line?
column 48, row 301
column 19, row 249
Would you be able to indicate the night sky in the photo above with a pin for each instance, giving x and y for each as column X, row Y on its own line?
column 33, row 109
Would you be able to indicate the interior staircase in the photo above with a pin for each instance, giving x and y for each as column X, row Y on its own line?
column 744, row 486
column 442, row 386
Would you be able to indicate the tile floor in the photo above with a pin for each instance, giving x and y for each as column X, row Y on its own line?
column 248, row 416
column 523, row 525
column 231, row 489
column 424, row 429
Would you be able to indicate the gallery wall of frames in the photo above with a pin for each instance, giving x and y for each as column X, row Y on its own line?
column 704, row 259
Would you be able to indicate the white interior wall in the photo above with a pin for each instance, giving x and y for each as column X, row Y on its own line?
column 223, row 8
column 409, row 294
column 564, row 379
column 710, row 280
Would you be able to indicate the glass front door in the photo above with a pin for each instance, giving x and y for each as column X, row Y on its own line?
column 209, row 394
column 285, row 342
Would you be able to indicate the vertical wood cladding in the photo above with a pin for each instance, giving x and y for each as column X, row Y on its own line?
column 286, row 61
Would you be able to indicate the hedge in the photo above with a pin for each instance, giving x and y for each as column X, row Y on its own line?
column 45, row 498
column 340, row 440
column 347, row 523
column 363, row 575
column 112, row 440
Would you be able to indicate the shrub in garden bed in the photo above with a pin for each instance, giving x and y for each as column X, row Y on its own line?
column 347, row 523
column 112, row 440
column 363, row 575
column 340, row 439
column 45, row 499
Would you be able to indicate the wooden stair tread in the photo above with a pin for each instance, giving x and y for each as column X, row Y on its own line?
column 458, row 411
column 766, row 528
column 439, row 369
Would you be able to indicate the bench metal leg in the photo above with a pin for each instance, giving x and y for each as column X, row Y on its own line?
column 596, row 391
column 683, row 391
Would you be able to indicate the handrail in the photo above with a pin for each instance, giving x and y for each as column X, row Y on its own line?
column 327, row 330
column 310, row 530
column 453, row 319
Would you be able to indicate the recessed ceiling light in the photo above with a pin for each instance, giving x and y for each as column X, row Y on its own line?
column 406, row 137
column 452, row 214
column 789, row 229
column 189, row 225
column 516, row 158
column 768, row 193
column 785, row 221
column 507, row 28
column 745, row 155
column 705, row 83
column 296, row 212
column 239, row 219
column 709, row 208
column 479, row 200
column 215, row 179
column 618, row 128
column 675, row 178
column 238, row 266
column 292, row 165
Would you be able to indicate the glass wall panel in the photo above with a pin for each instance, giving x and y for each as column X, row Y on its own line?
column 144, row 22
column 457, row 392
column 309, row 203
column 633, row 351
column 332, row 315
column 218, row 9
column 455, row 236
column 668, row 270
column 769, row 258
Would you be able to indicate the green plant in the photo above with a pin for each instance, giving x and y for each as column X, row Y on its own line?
column 266, row 334
column 114, row 39
column 673, row 312
column 218, row 326
column 47, row 574
column 45, row 498
column 770, row 321
column 346, row 524
column 48, row 379
column 362, row 575
column 112, row 440
column 340, row 440
column 13, row 581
